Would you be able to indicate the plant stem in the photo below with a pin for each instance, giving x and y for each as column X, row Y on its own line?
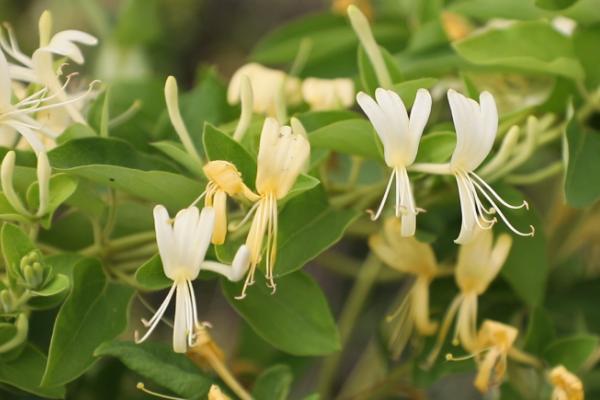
column 354, row 304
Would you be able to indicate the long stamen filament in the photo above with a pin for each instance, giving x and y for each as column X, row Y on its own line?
column 142, row 387
column 375, row 216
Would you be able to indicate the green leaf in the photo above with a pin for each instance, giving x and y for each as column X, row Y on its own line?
column 302, row 184
column 308, row 225
column 351, row 136
column 62, row 267
column 273, row 384
column 296, row 319
column 572, row 352
column 554, row 4
column 540, row 331
column 585, row 42
column 582, row 163
column 220, row 146
column 95, row 311
column 176, row 152
column 117, row 164
column 26, row 371
column 436, row 147
column 151, row 275
column 408, row 90
column 75, row 131
column 61, row 189
column 368, row 78
column 313, row 120
column 158, row 362
column 139, row 23
column 15, row 245
column 526, row 46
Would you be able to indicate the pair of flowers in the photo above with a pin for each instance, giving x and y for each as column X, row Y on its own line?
column 183, row 242
column 476, row 125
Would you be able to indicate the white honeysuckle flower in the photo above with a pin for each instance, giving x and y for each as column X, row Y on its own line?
column 400, row 135
column 182, row 245
column 282, row 155
column 271, row 88
column 328, row 94
column 476, row 125
column 40, row 69
column 566, row 385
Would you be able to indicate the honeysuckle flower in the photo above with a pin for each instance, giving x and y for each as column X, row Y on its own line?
column 39, row 68
column 479, row 262
column 400, row 135
column 567, row 386
column 409, row 256
column 215, row 393
column 223, row 179
column 182, row 244
column 271, row 89
column 282, row 154
column 172, row 101
column 328, row 94
column 494, row 342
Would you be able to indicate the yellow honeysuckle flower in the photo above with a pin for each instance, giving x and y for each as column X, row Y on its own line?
column 479, row 262
column 567, row 386
column 282, row 154
column 223, row 179
column 409, row 256
column 328, row 94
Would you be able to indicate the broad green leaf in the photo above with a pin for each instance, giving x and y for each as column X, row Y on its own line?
column 572, row 352
column 15, row 245
column 26, row 371
column 61, row 188
column 95, row 311
column 540, row 331
column 313, row 120
column 554, row 4
column 582, row 163
column 351, row 136
column 176, row 152
column 526, row 46
column 302, row 184
column 295, row 319
column 151, row 276
column 308, row 225
column 488, row 9
column 220, row 146
column 117, row 164
column 526, row 268
column 7, row 212
column 158, row 362
column 368, row 78
column 436, row 147
column 273, row 384
column 408, row 90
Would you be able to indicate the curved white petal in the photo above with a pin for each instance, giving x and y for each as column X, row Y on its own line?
column 181, row 318
column 164, row 239
column 202, row 236
column 419, row 114
column 5, row 89
column 467, row 210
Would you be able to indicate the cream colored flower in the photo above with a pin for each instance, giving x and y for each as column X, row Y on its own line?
column 479, row 262
column 328, row 94
column 271, row 88
column 567, row 386
column 409, row 256
column 400, row 135
column 182, row 244
column 223, row 179
column 282, row 154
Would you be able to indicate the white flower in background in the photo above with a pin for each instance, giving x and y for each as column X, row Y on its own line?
column 271, row 89
column 400, row 135
column 182, row 244
column 40, row 68
column 564, row 25
column 282, row 154
column 476, row 125
column 328, row 94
